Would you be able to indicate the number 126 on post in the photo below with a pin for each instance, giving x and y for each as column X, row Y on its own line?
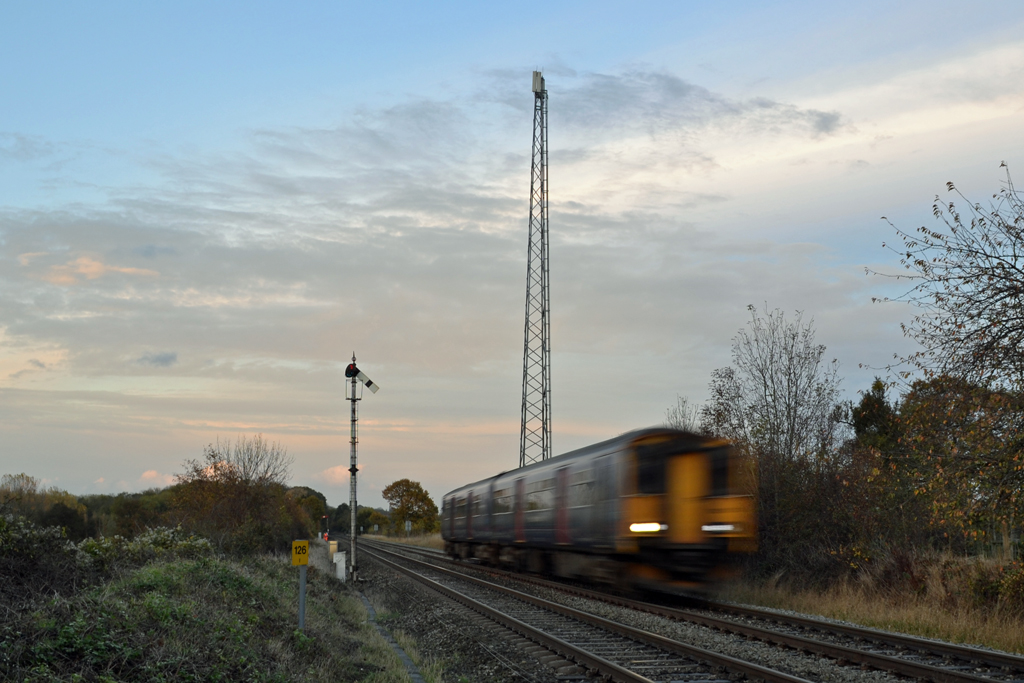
column 300, row 552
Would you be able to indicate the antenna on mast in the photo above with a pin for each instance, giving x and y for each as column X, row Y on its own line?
column 535, row 432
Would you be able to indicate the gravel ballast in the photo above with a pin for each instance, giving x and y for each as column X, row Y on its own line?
column 807, row 666
column 471, row 647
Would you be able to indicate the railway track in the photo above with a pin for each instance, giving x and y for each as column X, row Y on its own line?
column 908, row 656
column 606, row 648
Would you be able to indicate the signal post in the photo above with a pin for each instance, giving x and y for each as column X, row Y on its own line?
column 354, row 393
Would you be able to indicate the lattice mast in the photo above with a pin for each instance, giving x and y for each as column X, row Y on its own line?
column 535, row 434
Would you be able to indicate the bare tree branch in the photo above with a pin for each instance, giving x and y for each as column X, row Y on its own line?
column 969, row 289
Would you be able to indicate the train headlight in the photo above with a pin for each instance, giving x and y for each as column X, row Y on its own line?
column 718, row 528
column 647, row 527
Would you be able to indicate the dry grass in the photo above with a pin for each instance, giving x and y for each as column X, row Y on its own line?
column 914, row 612
column 430, row 668
column 427, row 541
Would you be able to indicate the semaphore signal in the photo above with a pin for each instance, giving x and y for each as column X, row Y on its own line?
column 354, row 395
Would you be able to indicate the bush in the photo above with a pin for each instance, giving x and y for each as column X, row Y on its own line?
column 1011, row 587
column 236, row 496
column 34, row 559
column 105, row 553
column 37, row 560
column 954, row 583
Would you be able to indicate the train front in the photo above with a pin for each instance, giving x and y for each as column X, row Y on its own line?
column 692, row 512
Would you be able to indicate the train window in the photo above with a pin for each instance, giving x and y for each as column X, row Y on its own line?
column 460, row 507
column 582, row 476
column 581, row 488
column 540, row 500
column 502, row 501
column 540, row 495
column 719, row 472
column 650, row 469
column 581, row 494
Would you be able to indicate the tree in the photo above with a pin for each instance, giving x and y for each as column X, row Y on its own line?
column 300, row 492
column 18, row 484
column 22, row 494
column 966, row 447
column 779, row 404
column 409, row 502
column 781, row 399
column 68, row 518
column 683, row 415
column 875, row 420
column 881, row 480
column 378, row 519
column 237, row 497
column 310, row 500
column 365, row 517
column 19, row 492
column 969, row 289
column 340, row 519
column 130, row 515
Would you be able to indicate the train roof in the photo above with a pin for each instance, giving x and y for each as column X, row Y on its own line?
column 607, row 444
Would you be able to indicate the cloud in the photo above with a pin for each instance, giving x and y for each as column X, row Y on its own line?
column 152, row 251
column 26, row 259
column 336, row 475
column 152, row 478
column 18, row 147
column 90, row 269
column 35, row 364
column 160, row 360
column 597, row 107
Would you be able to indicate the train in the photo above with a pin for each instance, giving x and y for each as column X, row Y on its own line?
column 654, row 509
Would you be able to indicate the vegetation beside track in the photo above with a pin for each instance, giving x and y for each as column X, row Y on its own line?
column 433, row 541
column 166, row 607
column 956, row 599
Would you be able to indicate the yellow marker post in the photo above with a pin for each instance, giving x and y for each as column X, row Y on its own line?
column 300, row 557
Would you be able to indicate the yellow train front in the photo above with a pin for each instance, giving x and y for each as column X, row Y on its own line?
column 657, row 508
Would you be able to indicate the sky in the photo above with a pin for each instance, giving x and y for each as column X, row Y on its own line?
column 206, row 208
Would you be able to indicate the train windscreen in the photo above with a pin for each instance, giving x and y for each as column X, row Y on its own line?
column 650, row 468
column 719, row 472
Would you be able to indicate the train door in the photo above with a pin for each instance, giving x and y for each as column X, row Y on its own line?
column 582, row 497
column 451, row 517
column 491, row 534
column 688, row 488
column 469, row 515
column 605, row 507
column 520, row 506
column 562, row 506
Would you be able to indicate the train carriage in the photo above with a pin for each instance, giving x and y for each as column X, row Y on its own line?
column 657, row 508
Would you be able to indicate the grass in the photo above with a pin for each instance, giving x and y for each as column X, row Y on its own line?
column 204, row 619
column 919, row 612
column 426, row 541
column 430, row 668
